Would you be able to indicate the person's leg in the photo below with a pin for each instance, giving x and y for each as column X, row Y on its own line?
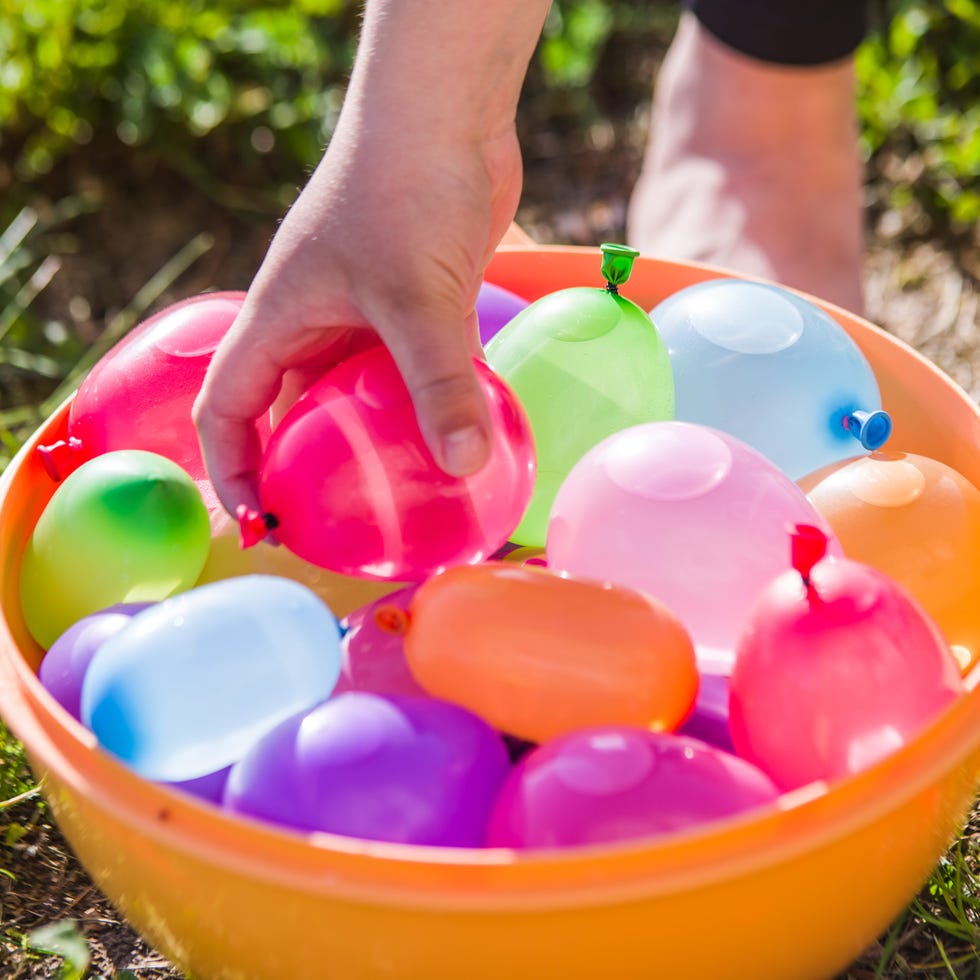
column 753, row 165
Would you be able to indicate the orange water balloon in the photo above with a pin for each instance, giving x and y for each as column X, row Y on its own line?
column 538, row 655
column 917, row 520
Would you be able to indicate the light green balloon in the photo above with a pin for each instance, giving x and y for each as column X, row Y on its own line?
column 126, row 526
column 585, row 363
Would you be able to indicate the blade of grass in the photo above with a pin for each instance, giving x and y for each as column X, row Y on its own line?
column 27, row 293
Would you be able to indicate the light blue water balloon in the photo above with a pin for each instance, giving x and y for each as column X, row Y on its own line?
column 192, row 682
column 772, row 369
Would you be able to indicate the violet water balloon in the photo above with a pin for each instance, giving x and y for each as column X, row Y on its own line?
column 773, row 369
column 495, row 308
column 410, row 770
column 62, row 670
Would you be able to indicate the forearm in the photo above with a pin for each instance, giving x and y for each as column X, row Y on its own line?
column 450, row 68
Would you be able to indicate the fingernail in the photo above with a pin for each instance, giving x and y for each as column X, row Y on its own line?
column 464, row 451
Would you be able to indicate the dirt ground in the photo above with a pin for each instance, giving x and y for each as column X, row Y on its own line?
column 577, row 185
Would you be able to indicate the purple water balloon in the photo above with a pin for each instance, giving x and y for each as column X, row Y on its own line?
column 708, row 720
column 63, row 668
column 496, row 307
column 409, row 770
column 617, row 783
column 209, row 787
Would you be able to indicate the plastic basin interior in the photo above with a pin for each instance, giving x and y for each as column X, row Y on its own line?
column 795, row 891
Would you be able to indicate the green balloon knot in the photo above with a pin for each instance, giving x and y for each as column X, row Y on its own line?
column 617, row 264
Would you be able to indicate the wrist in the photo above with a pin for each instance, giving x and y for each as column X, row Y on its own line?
column 448, row 69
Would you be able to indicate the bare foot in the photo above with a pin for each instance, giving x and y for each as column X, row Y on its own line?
column 754, row 167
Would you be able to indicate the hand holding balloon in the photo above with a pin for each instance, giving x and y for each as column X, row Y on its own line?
column 348, row 482
column 383, row 247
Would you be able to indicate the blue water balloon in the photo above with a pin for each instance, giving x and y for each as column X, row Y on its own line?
column 772, row 368
column 193, row 681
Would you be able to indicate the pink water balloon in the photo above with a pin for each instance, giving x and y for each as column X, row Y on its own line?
column 688, row 514
column 349, row 484
column 613, row 784
column 140, row 394
column 838, row 667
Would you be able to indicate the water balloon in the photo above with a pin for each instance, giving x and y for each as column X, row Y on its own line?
column 193, row 681
column 773, row 369
column 585, row 362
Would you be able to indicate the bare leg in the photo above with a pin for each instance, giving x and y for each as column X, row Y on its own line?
column 754, row 167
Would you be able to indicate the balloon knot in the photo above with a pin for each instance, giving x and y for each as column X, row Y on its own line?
column 808, row 544
column 61, row 457
column 253, row 526
column 392, row 619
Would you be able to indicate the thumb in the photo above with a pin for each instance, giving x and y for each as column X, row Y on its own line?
column 437, row 364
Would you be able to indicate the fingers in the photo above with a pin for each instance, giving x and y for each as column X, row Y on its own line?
column 241, row 384
column 436, row 360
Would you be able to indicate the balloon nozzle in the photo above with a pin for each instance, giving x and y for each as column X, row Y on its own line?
column 392, row 619
column 871, row 429
column 808, row 544
column 253, row 526
column 61, row 458
column 617, row 264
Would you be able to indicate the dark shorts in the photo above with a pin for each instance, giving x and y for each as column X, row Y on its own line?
column 788, row 32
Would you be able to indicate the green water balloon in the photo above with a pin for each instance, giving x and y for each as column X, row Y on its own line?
column 585, row 362
column 126, row 526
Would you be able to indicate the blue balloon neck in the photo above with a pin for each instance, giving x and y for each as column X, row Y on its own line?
column 871, row 429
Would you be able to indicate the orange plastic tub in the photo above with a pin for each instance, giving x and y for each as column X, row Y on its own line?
column 798, row 891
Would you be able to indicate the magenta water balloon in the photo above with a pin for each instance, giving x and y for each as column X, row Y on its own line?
column 613, row 784
column 690, row 515
column 62, row 670
column 838, row 667
column 495, row 308
column 374, row 658
column 773, row 369
column 140, row 394
column 409, row 770
column 349, row 484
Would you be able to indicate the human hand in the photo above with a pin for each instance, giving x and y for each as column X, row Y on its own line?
column 380, row 247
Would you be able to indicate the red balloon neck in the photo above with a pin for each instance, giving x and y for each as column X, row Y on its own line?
column 808, row 545
column 61, row 458
column 253, row 526
column 392, row 619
